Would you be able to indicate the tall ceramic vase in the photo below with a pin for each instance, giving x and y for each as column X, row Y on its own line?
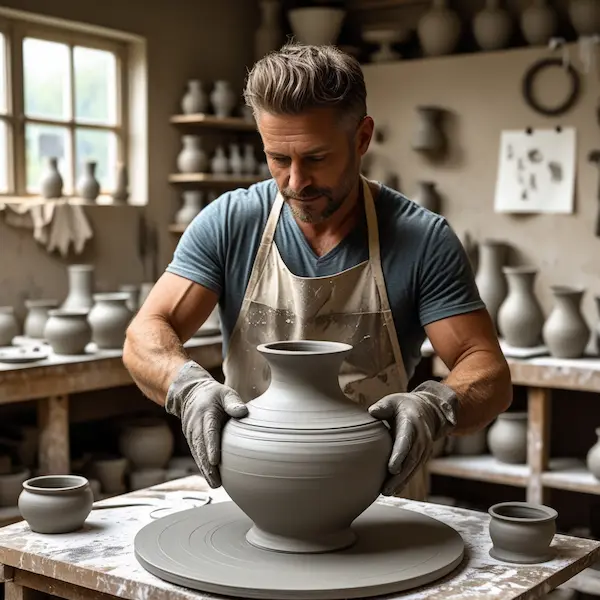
column 192, row 158
column 88, row 187
column 51, row 183
column 492, row 26
column 538, row 23
column 439, row 29
column 195, row 99
column 566, row 332
column 490, row 279
column 269, row 35
column 328, row 486
column 520, row 316
column 81, row 287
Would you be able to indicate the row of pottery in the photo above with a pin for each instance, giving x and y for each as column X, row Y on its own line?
column 221, row 99
column 508, row 293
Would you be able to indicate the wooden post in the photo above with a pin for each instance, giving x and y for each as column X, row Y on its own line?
column 538, row 441
column 53, row 422
column 13, row 591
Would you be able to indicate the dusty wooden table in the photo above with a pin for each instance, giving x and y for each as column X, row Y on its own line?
column 98, row 562
column 50, row 381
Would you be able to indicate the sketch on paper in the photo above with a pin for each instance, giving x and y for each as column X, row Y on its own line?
column 536, row 171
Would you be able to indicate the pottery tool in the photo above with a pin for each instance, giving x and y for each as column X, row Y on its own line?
column 594, row 157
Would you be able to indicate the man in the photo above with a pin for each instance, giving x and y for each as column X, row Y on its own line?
column 318, row 252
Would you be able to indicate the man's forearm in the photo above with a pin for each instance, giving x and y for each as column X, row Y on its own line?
column 153, row 355
column 482, row 382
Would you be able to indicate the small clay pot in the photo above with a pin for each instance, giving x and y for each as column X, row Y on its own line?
column 507, row 438
column 522, row 532
column 56, row 503
column 147, row 444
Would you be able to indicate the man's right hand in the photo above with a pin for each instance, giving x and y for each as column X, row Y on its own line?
column 203, row 405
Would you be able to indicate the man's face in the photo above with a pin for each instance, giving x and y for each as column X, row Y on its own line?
column 315, row 159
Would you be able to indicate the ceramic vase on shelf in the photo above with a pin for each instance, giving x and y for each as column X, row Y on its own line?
column 222, row 99
column 192, row 157
column 507, row 438
column 37, row 315
column 269, row 35
column 88, row 187
column 565, row 332
column 428, row 135
column 81, row 287
column 236, row 162
column 51, row 183
column 68, row 331
column 427, row 196
column 194, row 100
column 249, row 163
column 439, row 29
column 121, row 191
column 146, row 443
column 9, row 326
column 109, row 319
column 492, row 26
column 585, row 16
column 490, row 279
column 133, row 293
column 538, row 23
column 329, row 486
column 593, row 457
column 192, row 205
column 520, row 316
column 219, row 164
column 316, row 25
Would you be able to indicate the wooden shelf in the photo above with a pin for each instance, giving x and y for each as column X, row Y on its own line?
column 177, row 228
column 213, row 122
column 215, row 180
column 571, row 475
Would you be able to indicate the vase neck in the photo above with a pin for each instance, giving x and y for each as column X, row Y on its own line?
column 492, row 256
column 521, row 282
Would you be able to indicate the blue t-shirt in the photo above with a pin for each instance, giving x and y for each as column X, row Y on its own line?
column 426, row 269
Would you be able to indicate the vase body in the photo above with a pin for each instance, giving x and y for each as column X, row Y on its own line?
column 428, row 197
column 318, row 25
column 133, row 294
column 110, row 472
column 223, row 99
column 81, row 287
column 490, row 279
column 520, row 316
column 109, row 319
column 507, row 438
column 304, row 444
column 88, row 187
column 428, row 135
column 147, row 444
column 121, row 191
column 195, row 100
column 9, row 326
column 51, row 183
column 68, row 331
column 471, row 444
column 236, row 162
column 219, row 164
column 492, row 27
column 56, row 503
column 249, row 163
column 538, row 23
column 192, row 158
column 192, row 205
column 565, row 332
column 269, row 35
column 439, row 29
column 37, row 315
column 585, row 16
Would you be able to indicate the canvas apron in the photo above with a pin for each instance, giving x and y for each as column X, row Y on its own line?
column 351, row 307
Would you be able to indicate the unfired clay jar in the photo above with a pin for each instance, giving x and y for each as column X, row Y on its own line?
column 81, row 287
column 522, row 532
column 56, row 503
column 507, row 438
column 490, row 279
column 566, row 332
column 147, row 444
column 37, row 315
column 68, row 331
column 110, row 472
column 593, row 457
column 109, row 319
column 306, row 450
column 9, row 327
column 520, row 316
column 11, row 485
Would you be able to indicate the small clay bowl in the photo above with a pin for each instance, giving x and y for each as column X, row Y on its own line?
column 56, row 503
column 522, row 532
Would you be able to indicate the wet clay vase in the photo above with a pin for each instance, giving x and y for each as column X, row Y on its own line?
column 566, row 332
column 37, row 315
column 81, row 287
column 492, row 26
column 593, row 457
column 306, row 461
column 520, row 316
column 56, row 503
column 490, row 279
column 9, row 326
column 522, row 532
column 68, row 331
column 507, row 438
column 109, row 319
column 147, row 444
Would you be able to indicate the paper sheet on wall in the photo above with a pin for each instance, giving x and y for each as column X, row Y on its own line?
column 536, row 171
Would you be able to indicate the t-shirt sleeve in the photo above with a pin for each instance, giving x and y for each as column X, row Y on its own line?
column 446, row 280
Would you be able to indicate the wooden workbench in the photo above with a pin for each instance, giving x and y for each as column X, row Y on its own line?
column 98, row 562
column 52, row 380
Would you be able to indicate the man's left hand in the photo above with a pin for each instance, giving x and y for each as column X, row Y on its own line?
column 417, row 419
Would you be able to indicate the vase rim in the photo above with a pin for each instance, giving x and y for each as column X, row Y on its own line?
column 81, row 267
column 124, row 296
column 303, row 348
column 68, row 312
column 561, row 290
column 513, row 415
column 540, row 513
column 44, row 483
column 40, row 303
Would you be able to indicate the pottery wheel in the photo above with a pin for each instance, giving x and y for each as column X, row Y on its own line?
column 205, row 549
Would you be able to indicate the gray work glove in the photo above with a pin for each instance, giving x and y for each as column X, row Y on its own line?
column 417, row 419
column 203, row 405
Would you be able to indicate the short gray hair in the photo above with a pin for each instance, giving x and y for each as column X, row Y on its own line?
column 299, row 77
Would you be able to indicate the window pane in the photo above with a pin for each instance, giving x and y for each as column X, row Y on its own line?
column 42, row 142
column 101, row 147
column 95, row 86
column 3, row 103
column 46, row 75
column 3, row 157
